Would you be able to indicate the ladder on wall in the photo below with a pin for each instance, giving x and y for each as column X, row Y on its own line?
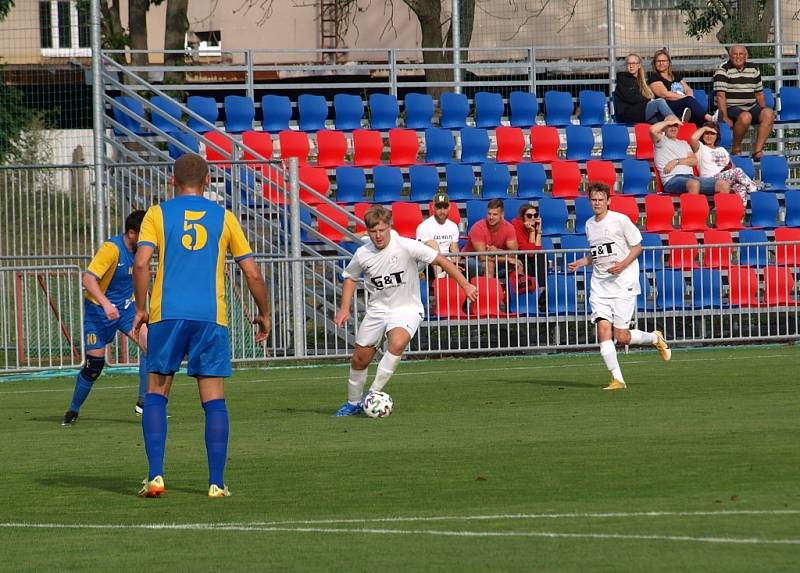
column 329, row 28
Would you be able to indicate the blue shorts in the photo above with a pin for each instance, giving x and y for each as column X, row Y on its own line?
column 98, row 331
column 206, row 346
column 676, row 184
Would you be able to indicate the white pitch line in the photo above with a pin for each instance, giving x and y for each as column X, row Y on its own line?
column 412, row 373
column 433, row 532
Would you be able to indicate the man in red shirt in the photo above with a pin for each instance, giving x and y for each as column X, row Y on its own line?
column 492, row 235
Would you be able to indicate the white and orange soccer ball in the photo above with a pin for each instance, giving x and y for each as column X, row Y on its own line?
column 378, row 405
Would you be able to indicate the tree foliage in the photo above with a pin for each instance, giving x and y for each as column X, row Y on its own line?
column 742, row 21
column 5, row 8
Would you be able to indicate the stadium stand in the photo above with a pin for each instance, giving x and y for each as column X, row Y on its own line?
column 636, row 177
column 240, row 112
column 403, row 147
column 312, row 111
column 603, row 171
column 351, row 183
column 474, row 145
column 406, row 217
column 439, row 146
column 489, row 110
column 331, row 148
column 764, row 210
column 774, row 173
column 694, row 212
column 367, row 148
column 510, row 144
column 384, row 110
column 706, row 288
column 592, row 108
column 419, row 109
column 728, row 211
column 531, row 180
column 163, row 108
column 717, row 257
column 348, row 111
column 626, row 205
column 554, row 216
column 743, row 286
column 659, row 213
column 558, row 108
column 276, row 113
column 615, row 142
column 580, row 142
column 460, row 180
column 684, row 255
column 454, row 109
column 294, row 144
column 545, row 143
column 524, row 109
column 755, row 255
column 495, row 181
column 566, row 177
column 424, row 181
column 388, row 183
column 205, row 107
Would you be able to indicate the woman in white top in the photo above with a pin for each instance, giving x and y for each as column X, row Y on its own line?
column 714, row 160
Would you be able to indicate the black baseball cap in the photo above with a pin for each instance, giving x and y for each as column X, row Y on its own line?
column 441, row 198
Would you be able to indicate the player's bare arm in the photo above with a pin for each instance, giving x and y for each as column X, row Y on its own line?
column 92, row 286
column 348, row 290
column 258, row 290
column 141, row 284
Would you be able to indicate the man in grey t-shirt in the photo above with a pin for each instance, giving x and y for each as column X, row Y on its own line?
column 675, row 162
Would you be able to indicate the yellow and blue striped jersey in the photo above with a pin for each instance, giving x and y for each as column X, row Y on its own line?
column 112, row 265
column 192, row 236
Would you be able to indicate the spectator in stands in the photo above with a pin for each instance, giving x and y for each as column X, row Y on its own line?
column 671, row 86
column 439, row 232
column 615, row 243
column 714, row 161
column 740, row 100
column 528, row 228
column 675, row 162
column 492, row 234
column 634, row 101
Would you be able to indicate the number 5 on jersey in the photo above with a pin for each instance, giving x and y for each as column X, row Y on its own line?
column 195, row 236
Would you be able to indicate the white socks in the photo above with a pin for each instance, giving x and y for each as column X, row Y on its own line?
column 639, row 337
column 355, row 385
column 386, row 368
column 609, row 353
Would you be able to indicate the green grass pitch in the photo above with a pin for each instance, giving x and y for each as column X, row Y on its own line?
column 497, row 464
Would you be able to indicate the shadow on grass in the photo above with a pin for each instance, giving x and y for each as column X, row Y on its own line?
column 90, row 419
column 554, row 383
column 117, row 484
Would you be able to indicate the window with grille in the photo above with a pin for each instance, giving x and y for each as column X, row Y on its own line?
column 64, row 28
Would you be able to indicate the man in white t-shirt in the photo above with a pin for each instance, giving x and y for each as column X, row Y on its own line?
column 675, row 162
column 394, row 308
column 439, row 232
column 614, row 243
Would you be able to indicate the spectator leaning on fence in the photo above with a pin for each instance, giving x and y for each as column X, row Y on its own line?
column 634, row 101
column 740, row 100
column 675, row 162
column 492, row 234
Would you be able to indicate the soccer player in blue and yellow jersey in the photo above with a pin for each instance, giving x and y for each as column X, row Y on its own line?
column 187, row 313
column 108, row 307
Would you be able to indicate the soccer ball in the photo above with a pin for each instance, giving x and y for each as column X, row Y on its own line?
column 378, row 404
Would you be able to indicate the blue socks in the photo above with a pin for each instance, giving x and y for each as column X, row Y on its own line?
column 216, row 439
column 154, row 428
column 142, row 374
column 82, row 389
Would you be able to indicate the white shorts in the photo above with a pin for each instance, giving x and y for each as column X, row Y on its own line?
column 618, row 311
column 374, row 326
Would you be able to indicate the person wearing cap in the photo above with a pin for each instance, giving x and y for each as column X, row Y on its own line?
column 676, row 161
column 439, row 232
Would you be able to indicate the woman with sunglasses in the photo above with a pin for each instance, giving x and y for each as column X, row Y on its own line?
column 713, row 160
column 671, row 86
column 634, row 101
column 528, row 228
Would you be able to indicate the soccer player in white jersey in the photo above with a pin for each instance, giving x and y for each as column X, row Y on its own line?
column 614, row 243
column 394, row 308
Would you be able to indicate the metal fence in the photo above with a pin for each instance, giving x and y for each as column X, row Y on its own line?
column 704, row 294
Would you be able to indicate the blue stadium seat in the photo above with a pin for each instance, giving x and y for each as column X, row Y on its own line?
column 129, row 114
column 511, row 208
column 774, row 173
column 702, row 99
column 531, row 179
column 592, row 107
column 769, row 98
column 636, row 177
column 419, row 110
column 187, row 139
column 474, row 145
column 745, row 164
column 671, row 289
column 651, row 260
column 616, row 140
column 562, row 296
column 388, row 183
column 583, row 212
column 163, row 107
column 439, row 146
column 239, row 113
column 524, row 109
column 460, row 181
column 383, row 111
column 350, row 184
column 424, row 183
column 554, row 216
column 574, row 242
column 764, row 210
column 476, row 210
column 792, row 203
column 455, row 109
column 644, row 294
column 790, row 105
column 756, row 255
column 558, row 108
column 276, row 112
column 489, row 109
column 495, row 180
column 580, row 142
column 348, row 111
column 205, row 107
column 706, row 288
column 725, row 135
column 312, row 111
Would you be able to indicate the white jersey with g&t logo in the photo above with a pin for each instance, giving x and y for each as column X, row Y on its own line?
column 610, row 241
column 390, row 274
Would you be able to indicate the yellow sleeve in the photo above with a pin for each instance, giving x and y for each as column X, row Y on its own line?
column 237, row 242
column 151, row 226
column 104, row 259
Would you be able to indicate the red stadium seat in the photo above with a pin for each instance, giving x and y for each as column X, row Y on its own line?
column 682, row 258
column 544, row 143
column 317, row 179
column 331, row 148
column 743, row 283
column 406, row 218
column 644, row 145
column 367, row 148
column 294, row 144
column 275, row 185
column 403, row 147
column 261, row 145
column 626, row 205
column 694, row 212
column 510, row 144
column 787, row 254
column 358, row 211
column 224, row 143
column 717, row 257
column 566, row 177
column 604, row 171
column 729, row 211
column 490, row 297
column 450, row 298
column 778, row 286
column 686, row 131
column 338, row 216
column 659, row 211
